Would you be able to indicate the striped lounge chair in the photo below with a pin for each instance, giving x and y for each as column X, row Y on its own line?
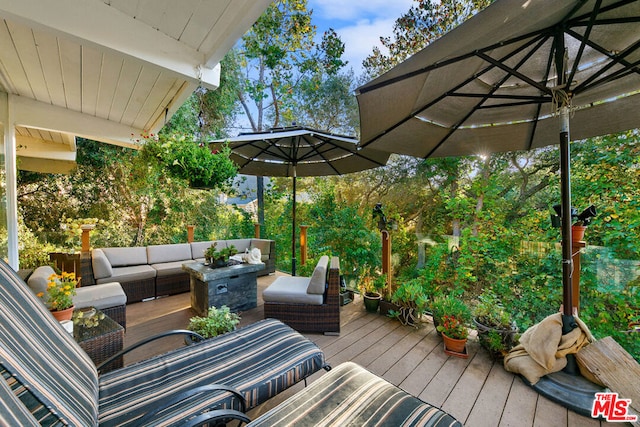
column 349, row 395
column 47, row 379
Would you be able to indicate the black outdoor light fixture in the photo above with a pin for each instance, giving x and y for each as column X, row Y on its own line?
column 384, row 224
column 584, row 217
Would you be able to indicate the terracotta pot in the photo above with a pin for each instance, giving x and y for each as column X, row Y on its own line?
column 453, row 344
column 61, row 315
column 577, row 232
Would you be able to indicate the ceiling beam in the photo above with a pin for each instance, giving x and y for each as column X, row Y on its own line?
column 39, row 115
column 103, row 26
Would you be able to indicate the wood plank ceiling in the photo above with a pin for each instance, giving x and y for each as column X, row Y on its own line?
column 107, row 70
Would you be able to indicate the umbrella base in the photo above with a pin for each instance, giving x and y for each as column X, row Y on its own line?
column 574, row 392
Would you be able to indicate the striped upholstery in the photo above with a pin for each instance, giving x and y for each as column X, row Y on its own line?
column 349, row 395
column 259, row 360
column 13, row 410
column 39, row 354
column 46, row 378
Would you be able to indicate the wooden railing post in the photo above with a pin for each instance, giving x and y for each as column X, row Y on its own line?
column 303, row 244
column 190, row 229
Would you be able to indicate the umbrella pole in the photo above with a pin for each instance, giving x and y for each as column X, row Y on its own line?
column 293, row 228
column 568, row 323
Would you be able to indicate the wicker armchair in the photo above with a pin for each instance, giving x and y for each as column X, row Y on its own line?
column 48, row 379
column 302, row 316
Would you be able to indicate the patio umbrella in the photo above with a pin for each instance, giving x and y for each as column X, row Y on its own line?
column 300, row 151
column 514, row 77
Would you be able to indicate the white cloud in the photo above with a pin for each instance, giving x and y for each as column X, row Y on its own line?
column 360, row 39
column 359, row 23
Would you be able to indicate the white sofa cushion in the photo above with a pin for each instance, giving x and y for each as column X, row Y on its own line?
column 100, row 264
column 170, row 268
column 289, row 289
column 318, row 280
column 100, row 296
column 157, row 254
column 130, row 274
column 241, row 245
column 40, row 278
column 263, row 245
column 122, row 257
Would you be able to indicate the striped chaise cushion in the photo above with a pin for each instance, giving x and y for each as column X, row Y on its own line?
column 259, row 360
column 39, row 354
column 349, row 395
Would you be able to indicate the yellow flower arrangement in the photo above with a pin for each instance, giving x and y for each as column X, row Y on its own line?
column 60, row 290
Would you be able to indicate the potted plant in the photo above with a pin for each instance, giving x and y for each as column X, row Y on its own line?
column 370, row 287
column 217, row 322
column 217, row 258
column 59, row 296
column 411, row 299
column 454, row 334
column 497, row 331
column 449, row 305
column 194, row 162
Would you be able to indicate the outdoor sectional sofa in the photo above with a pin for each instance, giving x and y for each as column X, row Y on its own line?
column 156, row 270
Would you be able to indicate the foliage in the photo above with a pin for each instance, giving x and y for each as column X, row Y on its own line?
column 217, row 322
column 276, row 55
column 490, row 312
column 371, row 282
column 213, row 253
column 191, row 161
column 60, row 291
column 452, row 306
column 453, row 327
column 412, row 294
column 425, row 22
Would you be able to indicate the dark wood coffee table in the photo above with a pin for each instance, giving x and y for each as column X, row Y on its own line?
column 100, row 337
column 235, row 286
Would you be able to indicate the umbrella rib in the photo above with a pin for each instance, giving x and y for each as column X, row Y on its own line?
column 540, row 39
column 495, row 88
column 615, row 59
column 583, row 42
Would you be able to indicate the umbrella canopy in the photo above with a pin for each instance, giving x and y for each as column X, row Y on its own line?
column 492, row 84
column 300, row 151
column 498, row 81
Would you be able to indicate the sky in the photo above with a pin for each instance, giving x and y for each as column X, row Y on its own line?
column 359, row 23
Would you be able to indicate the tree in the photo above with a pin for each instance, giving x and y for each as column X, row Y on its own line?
column 276, row 56
column 425, row 22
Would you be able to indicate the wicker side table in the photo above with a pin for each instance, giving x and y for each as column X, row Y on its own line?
column 99, row 336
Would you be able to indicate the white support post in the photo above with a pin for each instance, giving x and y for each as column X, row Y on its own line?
column 11, row 183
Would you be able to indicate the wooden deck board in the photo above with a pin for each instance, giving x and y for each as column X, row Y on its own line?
column 465, row 393
column 476, row 390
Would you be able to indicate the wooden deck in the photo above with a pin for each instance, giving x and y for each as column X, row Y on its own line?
column 477, row 391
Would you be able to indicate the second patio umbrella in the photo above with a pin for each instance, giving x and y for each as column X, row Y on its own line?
column 300, row 151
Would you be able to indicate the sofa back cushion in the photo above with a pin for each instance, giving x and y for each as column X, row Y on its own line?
column 40, row 278
column 318, row 280
column 123, row 257
column 241, row 245
column 157, row 254
column 262, row 244
column 41, row 357
column 100, row 264
column 198, row 248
